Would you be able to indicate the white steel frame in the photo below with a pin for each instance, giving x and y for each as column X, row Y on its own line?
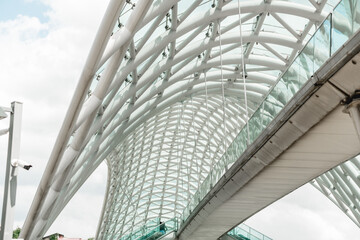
column 141, row 102
column 342, row 186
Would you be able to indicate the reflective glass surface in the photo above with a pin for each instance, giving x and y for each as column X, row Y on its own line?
column 244, row 232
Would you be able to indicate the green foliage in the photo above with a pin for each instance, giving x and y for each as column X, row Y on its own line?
column 16, row 233
column 53, row 237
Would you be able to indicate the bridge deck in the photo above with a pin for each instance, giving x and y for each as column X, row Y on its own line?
column 308, row 141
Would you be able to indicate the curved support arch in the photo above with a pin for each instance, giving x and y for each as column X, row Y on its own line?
column 127, row 115
column 229, row 10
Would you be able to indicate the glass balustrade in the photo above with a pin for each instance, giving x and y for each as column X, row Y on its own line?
column 153, row 230
column 244, row 232
column 335, row 30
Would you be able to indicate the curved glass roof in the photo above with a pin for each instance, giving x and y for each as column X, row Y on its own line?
column 190, row 103
column 162, row 95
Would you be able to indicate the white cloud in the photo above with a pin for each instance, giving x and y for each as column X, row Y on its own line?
column 304, row 214
column 40, row 65
column 80, row 217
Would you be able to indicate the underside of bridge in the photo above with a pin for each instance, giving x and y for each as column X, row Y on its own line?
column 167, row 87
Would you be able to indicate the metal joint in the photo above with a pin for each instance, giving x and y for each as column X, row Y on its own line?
column 351, row 101
column 351, row 107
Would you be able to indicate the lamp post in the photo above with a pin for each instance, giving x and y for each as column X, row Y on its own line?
column 10, row 184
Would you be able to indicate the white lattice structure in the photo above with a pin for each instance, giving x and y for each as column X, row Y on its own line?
column 160, row 98
column 342, row 186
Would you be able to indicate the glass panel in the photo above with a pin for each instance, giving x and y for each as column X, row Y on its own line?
column 245, row 232
column 306, row 60
column 322, row 44
column 153, row 229
column 255, row 127
column 272, row 106
column 341, row 24
column 356, row 16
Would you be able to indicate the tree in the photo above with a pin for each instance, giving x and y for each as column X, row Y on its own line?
column 16, row 233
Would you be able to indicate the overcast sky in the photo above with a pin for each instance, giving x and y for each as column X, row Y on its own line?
column 43, row 46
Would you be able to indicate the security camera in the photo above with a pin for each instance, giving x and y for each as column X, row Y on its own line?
column 4, row 131
column 20, row 163
column 2, row 113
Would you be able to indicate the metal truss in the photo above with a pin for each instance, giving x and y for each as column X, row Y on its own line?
column 160, row 100
column 341, row 185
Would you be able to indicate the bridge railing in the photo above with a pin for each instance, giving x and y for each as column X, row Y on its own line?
column 245, row 232
column 152, row 230
column 335, row 30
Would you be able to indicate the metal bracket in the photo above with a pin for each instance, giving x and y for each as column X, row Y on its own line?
column 350, row 101
column 351, row 107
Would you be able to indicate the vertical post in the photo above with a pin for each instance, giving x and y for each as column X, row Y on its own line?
column 355, row 115
column 10, row 184
column 352, row 105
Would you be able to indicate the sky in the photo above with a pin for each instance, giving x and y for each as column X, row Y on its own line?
column 43, row 47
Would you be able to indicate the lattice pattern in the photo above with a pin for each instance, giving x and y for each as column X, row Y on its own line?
column 342, row 186
column 161, row 101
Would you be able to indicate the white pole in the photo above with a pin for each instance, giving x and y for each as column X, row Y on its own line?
column 355, row 116
column 7, row 218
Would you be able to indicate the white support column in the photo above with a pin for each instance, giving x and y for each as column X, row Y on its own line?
column 10, row 183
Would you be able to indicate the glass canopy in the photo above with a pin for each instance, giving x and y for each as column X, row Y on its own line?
column 190, row 103
column 167, row 86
